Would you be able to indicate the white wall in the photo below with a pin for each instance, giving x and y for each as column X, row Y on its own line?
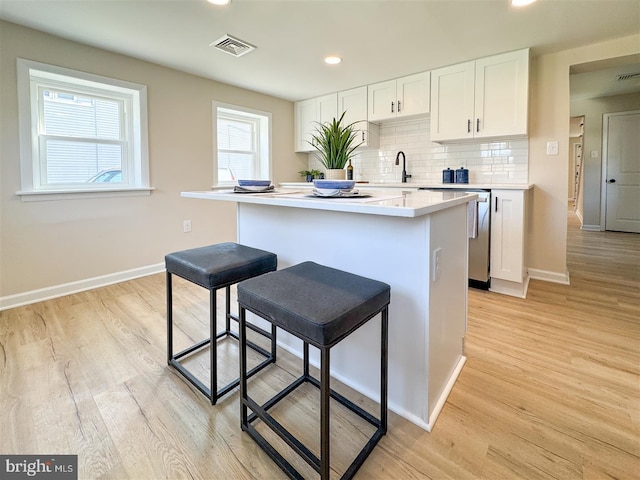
column 549, row 115
column 48, row 243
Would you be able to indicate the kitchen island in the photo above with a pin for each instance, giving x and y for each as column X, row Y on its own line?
column 414, row 241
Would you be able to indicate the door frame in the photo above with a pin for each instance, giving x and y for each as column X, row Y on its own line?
column 603, row 174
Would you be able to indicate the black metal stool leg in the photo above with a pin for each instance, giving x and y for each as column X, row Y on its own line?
column 213, row 345
column 384, row 369
column 169, row 319
column 227, row 317
column 325, row 392
column 305, row 360
column 242, row 333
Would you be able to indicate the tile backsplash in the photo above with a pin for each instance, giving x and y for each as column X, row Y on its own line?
column 489, row 162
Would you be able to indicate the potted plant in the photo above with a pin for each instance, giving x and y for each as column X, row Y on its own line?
column 306, row 174
column 336, row 143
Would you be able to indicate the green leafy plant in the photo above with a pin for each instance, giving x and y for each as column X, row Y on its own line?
column 335, row 142
column 316, row 173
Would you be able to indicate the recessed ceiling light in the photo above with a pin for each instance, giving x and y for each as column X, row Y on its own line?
column 332, row 60
column 219, row 2
column 521, row 3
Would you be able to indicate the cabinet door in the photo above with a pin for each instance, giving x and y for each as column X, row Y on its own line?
column 382, row 101
column 326, row 108
column 413, row 94
column 305, row 116
column 354, row 103
column 501, row 95
column 452, row 92
column 507, row 235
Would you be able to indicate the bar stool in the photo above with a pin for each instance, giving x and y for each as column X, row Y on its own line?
column 214, row 267
column 321, row 306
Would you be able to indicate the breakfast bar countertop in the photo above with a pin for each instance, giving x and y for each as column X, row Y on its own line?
column 387, row 202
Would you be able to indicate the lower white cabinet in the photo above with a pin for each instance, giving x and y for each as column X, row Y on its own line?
column 508, row 235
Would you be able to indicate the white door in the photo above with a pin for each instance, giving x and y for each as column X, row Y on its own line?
column 621, row 145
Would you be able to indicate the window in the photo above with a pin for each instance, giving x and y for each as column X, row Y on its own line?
column 80, row 133
column 242, row 144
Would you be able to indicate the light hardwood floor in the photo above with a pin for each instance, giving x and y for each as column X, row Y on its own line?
column 551, row 388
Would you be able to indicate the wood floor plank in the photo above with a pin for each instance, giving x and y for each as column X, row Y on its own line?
column 550, row 389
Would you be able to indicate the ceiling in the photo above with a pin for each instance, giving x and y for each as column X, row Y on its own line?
column 377, row 39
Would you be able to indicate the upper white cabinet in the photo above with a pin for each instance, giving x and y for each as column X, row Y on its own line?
column 402, row 97
column 308, row 113
column 484, row 98
column 354, row 105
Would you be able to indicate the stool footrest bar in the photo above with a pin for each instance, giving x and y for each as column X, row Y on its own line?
column 284, row 434
column 273, row 453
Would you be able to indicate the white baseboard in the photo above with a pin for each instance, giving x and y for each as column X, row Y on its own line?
column 20, row 299
column 591, row 228
column 513, row 289
column 548, row 276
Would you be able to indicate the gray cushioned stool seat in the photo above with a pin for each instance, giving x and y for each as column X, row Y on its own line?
column 216, row 266
column 328, row 304
column 321, row 306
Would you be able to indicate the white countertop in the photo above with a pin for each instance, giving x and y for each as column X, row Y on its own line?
column 452, row 186
column 389, row 202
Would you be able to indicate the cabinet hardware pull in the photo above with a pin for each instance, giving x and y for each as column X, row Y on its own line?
column 363, row 136
column 469, row 126
column 398, row 106
column 478, row 125
column 392, row 106
column 496, row 209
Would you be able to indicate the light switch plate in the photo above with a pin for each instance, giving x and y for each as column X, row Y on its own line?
column 552, row 148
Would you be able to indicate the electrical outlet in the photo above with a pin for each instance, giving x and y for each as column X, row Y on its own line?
column 186, row 226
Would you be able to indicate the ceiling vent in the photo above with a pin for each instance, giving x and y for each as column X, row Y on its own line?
column 232, row 46
column 627, row 76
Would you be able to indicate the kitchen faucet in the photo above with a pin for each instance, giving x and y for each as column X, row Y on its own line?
column 404, row 166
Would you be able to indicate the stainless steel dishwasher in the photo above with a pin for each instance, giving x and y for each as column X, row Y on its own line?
column 479, row 239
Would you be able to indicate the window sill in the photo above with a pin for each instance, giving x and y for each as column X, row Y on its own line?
column 47, row 195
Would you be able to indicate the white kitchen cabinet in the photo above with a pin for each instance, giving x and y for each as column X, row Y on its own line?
column 353, row 103
column 508, row 235
column 402, row 97
column 308, row 113
column 305, row 116
column 484, row 98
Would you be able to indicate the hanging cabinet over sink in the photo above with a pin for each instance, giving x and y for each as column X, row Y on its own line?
column 401, row 97
column 482, row 98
